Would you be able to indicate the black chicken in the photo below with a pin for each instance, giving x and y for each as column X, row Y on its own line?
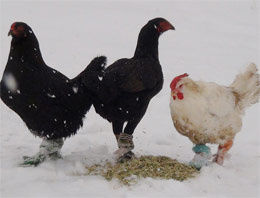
column 122, row 92
column 51, row 105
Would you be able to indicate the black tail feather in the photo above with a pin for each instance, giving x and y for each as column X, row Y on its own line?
column 95, row 67
column 97, row 64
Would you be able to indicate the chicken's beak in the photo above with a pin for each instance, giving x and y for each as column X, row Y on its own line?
column 172, row 27
column 164, row 26
column 10, row 32
column 173, row 93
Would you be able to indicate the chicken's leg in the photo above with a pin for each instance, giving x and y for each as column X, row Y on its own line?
column 222, row 150
column 117, row 128
column 124, row 141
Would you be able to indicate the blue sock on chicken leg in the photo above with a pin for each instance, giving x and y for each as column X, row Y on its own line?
column 202, row 156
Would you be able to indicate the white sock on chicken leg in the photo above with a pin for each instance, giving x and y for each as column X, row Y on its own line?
column 48, row 148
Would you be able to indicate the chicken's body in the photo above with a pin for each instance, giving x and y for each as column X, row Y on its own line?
column 124, row 89
column 211, row 113
column 51, row 105
column 127, row 88
column 207, row 114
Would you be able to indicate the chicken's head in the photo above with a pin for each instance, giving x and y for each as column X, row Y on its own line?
column 176, row 89
column 161, row 25
column 19, row 30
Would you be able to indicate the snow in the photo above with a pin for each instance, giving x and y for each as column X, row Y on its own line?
column 51, row 95
column 100, row 78
column 75, row 89
column 213, row 41
column 10, row 82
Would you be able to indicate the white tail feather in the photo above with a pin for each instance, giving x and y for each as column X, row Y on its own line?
column 246, row 87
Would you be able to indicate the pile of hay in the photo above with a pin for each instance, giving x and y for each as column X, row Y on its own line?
column 159, row 167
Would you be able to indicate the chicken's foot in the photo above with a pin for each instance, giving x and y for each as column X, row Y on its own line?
column 202, row 156
column 125, row 145
column 222, row 151
column 48, row 149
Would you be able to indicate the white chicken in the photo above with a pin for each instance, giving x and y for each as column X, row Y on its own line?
column 206, row 112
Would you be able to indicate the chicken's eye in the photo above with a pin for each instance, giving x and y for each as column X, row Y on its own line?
column 180, row 86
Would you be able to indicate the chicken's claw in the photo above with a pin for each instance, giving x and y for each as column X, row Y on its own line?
column 125, row 157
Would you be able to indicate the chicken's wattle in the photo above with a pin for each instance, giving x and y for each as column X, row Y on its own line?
column 180, row 96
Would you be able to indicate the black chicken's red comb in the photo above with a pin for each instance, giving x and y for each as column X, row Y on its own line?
column 176, row 80
column 13, row 26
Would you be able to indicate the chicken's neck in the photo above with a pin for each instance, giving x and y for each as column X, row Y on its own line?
column 147, row 45
column 26, row 51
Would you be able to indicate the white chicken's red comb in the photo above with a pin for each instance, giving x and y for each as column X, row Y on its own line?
column 176, row 80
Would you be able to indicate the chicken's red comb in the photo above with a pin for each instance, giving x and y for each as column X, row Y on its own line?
column 176, row 80
column 13, row 26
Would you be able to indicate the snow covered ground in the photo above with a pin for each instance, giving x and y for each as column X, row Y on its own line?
column 213, row 41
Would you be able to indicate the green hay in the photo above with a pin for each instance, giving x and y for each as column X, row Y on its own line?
column 158, row 167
